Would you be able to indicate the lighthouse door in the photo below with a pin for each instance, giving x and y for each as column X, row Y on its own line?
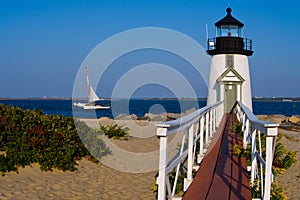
column 230, row 83
column 230, row 96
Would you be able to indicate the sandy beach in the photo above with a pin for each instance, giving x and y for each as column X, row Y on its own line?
column 290, row 179
column 90, row 181
column 97, row 181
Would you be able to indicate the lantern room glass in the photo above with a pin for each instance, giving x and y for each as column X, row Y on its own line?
column 229, row 31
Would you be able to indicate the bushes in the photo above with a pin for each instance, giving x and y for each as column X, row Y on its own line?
column 237, row 128
column 277, row 193
column 282, row 160
column 51, row 140
column 115, row 131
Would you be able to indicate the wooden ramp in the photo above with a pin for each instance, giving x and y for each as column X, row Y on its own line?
column 221, row 175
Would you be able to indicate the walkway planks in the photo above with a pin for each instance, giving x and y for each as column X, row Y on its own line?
column 221, row 175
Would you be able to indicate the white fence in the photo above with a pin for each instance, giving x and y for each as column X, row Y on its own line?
column 261, row 166
column 197, row 127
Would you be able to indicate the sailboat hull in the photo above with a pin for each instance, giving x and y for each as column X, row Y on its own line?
column 79, row 104
column 95, row 107
column 92, row 106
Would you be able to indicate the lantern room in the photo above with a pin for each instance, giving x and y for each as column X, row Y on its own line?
column 229, row 26
column 229, row 37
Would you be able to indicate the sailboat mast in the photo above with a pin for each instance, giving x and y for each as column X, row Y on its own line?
column 89, row 85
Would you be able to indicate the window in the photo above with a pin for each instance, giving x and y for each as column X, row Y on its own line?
column 229, row 31
column 229, row 60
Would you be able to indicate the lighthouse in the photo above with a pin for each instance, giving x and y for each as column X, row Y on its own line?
column 229, row 79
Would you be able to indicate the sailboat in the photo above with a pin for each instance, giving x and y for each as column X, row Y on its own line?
column 92, row 98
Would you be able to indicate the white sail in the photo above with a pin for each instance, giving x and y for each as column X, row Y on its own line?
column 93, row 96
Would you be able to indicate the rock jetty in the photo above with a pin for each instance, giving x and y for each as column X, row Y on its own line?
column 282, row 120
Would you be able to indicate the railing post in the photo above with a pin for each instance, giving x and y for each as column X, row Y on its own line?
column 271, row 133
column 215, row 121
column 189, row 178
column 246, row 133
column 210, row 124
column 220, row 112
column 163, row 161
column 261, row 166
column 253, row 157
column 212, row 120
column 241, row 114
column 238, row 112
column 243, row 122
column 201, row 138
column 206, row 128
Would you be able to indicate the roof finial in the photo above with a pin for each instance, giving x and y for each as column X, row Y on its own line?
column 228, row 10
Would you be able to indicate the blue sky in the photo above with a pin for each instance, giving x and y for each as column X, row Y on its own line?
column 43, row 43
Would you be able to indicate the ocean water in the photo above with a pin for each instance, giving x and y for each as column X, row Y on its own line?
column 139, row 107
column 276, row 107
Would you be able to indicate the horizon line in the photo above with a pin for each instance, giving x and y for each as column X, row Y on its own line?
column 106, row 98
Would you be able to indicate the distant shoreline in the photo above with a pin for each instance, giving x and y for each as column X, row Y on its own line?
column 276, row 99
column 37, row 98
column 78, row 99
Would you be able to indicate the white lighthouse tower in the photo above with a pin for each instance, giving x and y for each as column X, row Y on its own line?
column 229, row 74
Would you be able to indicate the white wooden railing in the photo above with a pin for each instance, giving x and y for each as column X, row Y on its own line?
column 252, row 129
column 198, row 126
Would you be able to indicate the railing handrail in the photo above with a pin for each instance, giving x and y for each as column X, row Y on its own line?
column 247, row 42
column 195, row 127
column 184, row 121
column 252, row 128
column 254, row 119
column 256, row 123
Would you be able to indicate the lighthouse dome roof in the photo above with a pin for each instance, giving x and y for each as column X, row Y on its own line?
column 229, row 20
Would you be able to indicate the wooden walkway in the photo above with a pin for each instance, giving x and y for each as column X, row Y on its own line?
column 221, row 175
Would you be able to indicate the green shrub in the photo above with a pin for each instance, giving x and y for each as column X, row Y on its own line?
column 241, row 152
column 115, row 131
column 255, row 189
column 237, row 128
column 28, row 136
column 180, row 181
column 277, row 193
column 283, row 158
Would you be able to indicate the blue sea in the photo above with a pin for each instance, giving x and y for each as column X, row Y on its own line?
column 140, row 106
